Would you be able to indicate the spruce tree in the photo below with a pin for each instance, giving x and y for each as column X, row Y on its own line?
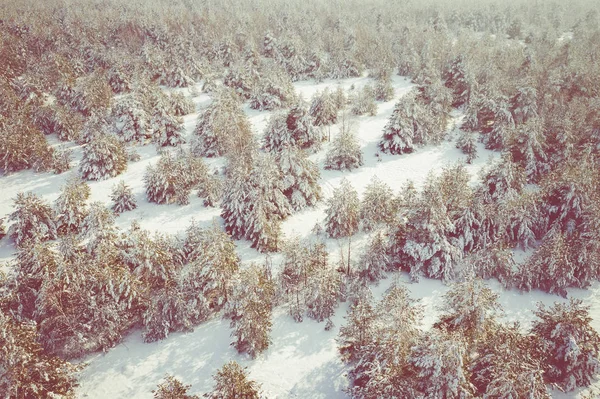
column 401, row 133
column 277, row 135
column 468, row 145
column 300, row 126
column 172, row 388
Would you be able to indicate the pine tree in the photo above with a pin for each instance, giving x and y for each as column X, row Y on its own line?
column 323, row 109
column 131, row 120
column 221, row 127
column 507, row 366
column 254, row 203
column 250, row 310
column 359, row 332
column 383, row 89
column 172, row 388
column 376, row 260
column 364, row 102
column 277, row 135
column 181, row 105
column 274, row 90
column 168, row 130
column 345, row 151
column 523, row 105
column 469, row 307
column 26, row 370
column 468, row 145
column 61, row 159
column 33, row 220
column 440, row 367
column 70, row 208
column 401, row 133
column 457, row 79
column 301, row 128
column 122, row 197
column 212, row 264
column 103, row 158
column 323, row 294
column 378, row 205
column 231, row 382
column 570, row 347
column 527, row 147
column 300, row 178
column 343, row 211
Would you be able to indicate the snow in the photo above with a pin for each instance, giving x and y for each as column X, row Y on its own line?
column 302, row 361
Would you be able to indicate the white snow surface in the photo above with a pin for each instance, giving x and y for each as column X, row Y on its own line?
column 302, row 361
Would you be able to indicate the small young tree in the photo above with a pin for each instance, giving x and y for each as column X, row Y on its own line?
column 70, row 208
column 131, row 120
column 383, row 89
column 323, row 109
column 181, row 105
column 300, row 126
column 468, row 145
column 231, row 382
column 103, row 158
column 122, row 197
column 363, row 102
column 172, row 388
column 323, row 294
column 343, row 211
column 33, row 219
column 345, row 151
column 61, row 159
column 570, row 347
column 277, row 135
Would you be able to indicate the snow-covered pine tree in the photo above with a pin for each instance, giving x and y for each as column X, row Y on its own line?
column 221, row 127
column 343, row 211
column 122, row 197
column 232, row 382
column 323, row 294
column 61, row 159
column 358, row 333
column 456, row 78
column 167, row 129
column 400, row 133
column 506, row 366
column 501, row 180
column 70, row 208
column 363, row 102
column 569, row 345
column 103, row 158
column 180, row 105
column 323, row 109
column 131, row 121
column 523, row 104
column 300, row 126
column 254, row 203
column 467, row 143
column 527, row 146
column 277, row 135
column 172, row 388
column 440, row 368
column 98, row 226
column 293, row 279
column 32, row 219
column 250, row 308
column 80, row 309
column 375, row 261
column 274, row 90
column 345, row 151
column 300, row 177
column 378, row 206
column 26, row 370
column 382, row 369
column 212, row 264
column 469, row 307
column 383, row 88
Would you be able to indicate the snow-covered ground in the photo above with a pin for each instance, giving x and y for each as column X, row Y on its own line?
column 302, row 361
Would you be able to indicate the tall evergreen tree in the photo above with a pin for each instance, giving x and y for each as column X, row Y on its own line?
column 343, row 211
